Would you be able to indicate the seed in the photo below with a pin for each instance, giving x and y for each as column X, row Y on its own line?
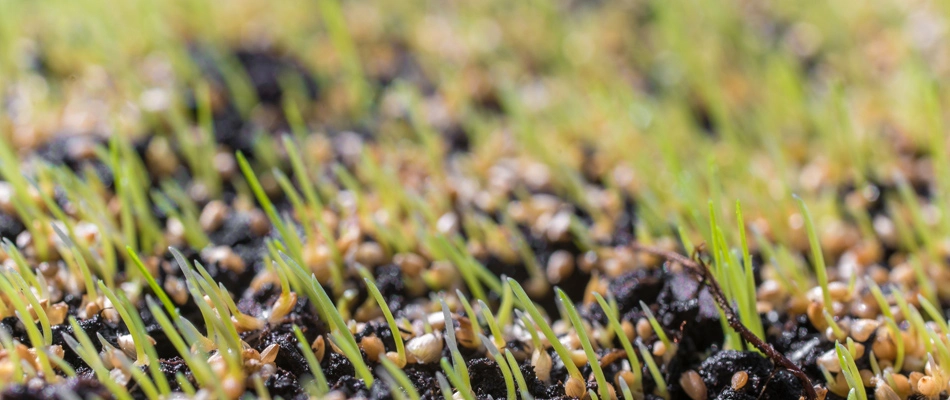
column 224, row 164
column 884, row 392
column 628, row 330
column 587, row 261
column 258, row 222
column 628, row 377
column 373, row 347
column 901, row 384
column 246, row 323
column 176, row 290
column 319, row 347
column 693, row 385
column 57, row 313
column 644, row 330
column 560, row 266
column 829, row 360
column 425, row 349
column 575, row 387
column 411, row 264
column 928, row 386
column 866, row 377
column 225, row 257
column 448, row 223
column 816, row 317
column 370, row 254
column 317, row 259
column 839, row 291
column 579, row 357
column 213, row 215
column 232, row 387
column 739, row 380
column 282, row 307
column 659, row 349
column 884, row 348
column 557, row 228
column 541, row 361
column 269, row 355
column 119, row 376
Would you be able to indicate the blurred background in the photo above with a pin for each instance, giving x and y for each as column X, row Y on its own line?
column 677, row 102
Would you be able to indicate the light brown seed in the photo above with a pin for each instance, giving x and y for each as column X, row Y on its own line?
column 213, row 215
column 901, row 384
column 644, row 329
column 928, row 386
column 693, row 385
column 425, row 349
column 560, row 266
column 370, row 254
column 885, row 392
column 883, row 348
column 575, row 387
column 739, row 380
column 373, row 347
column 411, row 264
column 282, row 307
column 541, row 361
column 269, row 355
column 319, row 347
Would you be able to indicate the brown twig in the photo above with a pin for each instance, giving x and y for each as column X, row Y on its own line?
column 700, row 269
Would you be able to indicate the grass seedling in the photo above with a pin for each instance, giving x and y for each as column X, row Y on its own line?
column 87, row 352
column 393, row 327
column 817, row 257
column 654, row 371
column 200, row 369
column 451, row 342
column 850, row 371
column 80, row 268
column 935, row 314
column 16, row 374
column 444, row 386
column 21, row 288
column 660, row 333
column 24, row 269
column 830, row 320
column 470, row 312
column 150, row 280
column 519, row 377
column 322, row 387
column 464, row 388
column 290, row 238
column 581, row 332
column 528, row 257
column 32, row 331
column 611, row 313
column 313, row 289
column 889, row 320
column 144, row 350
column 496, row 331
column 503, row 365
column 353, row 354
column 194, row 235
column 539, row 321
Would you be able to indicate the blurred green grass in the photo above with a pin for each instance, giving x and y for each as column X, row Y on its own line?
column 682, row 102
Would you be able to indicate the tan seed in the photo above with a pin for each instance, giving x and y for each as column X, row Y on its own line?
column 693, row 385
column 213, row 215
column 739, row 380
column 373, row 347
column 541, row 361
column 575, row 387
column 560, row 266
column 644, row 329
column 928, row 386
